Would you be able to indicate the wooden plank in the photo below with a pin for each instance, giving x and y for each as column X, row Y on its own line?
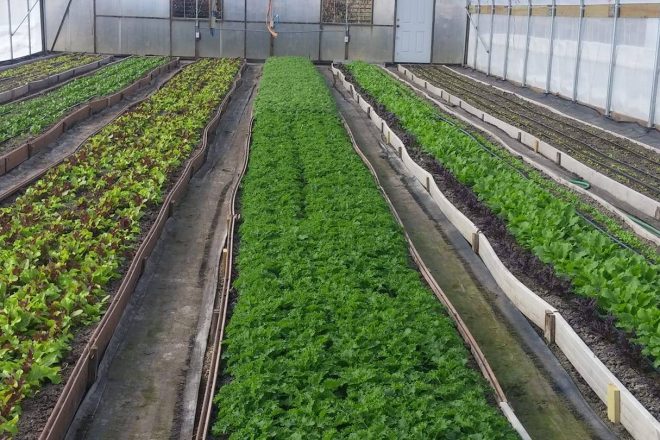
column 519, row 10
column 541, row 11
column 598, row 11
column 640, row 10
column 568, row 11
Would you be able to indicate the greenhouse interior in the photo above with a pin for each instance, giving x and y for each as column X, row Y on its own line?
column 329, row 219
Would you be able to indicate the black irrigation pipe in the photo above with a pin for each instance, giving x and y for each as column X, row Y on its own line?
column 589, row 220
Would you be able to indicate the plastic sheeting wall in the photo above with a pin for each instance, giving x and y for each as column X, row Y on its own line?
column 20, row 28
column 634, row 57
column 129, row 26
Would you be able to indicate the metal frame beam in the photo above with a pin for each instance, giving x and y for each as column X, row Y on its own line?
column 610, row 74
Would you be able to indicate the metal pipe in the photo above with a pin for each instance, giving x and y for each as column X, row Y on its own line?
column 548, row 73
column 490, row 43
column 29, row 10
column 43, row 25
column 654, row 87
column 578, row 54
column 529, row 19
column 11, row 42
column 610, row 74
column 476, row 38
column 506, row 43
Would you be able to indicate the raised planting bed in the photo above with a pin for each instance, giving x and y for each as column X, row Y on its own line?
column 16, row 155
column 623, row 282
column 334, row 334
column 40, row 69
column 622, row 160
column 30, row 117
column 67, row 241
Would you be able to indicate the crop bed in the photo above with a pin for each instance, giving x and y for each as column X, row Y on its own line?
column 29, row 117
column 540, row 237
column 70, row 235
column 622, row 160
column 333, row 333
column 39, row 69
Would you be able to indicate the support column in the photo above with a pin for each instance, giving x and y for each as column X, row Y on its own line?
column 506, row 43
column 548, row 73
column 578, row 54
column 11, row 35
column 654, row 87
column 610, row 75
column 529, row 19
column 476, row 36
column 490, row 42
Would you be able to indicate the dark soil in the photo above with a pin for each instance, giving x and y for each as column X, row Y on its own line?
column 609, row 344
column 625, row 161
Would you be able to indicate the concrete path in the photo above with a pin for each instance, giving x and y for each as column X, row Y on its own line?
column 150, row 375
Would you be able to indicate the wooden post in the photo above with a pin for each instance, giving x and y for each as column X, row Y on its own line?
column 92, row 366
column 475, row 242
column 428, row 184
column 558, row 158
column 536, row 146
column 549, row 328
column 613, row 403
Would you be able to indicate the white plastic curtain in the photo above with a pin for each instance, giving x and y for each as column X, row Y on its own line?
column 20, row 28
column 633, row 58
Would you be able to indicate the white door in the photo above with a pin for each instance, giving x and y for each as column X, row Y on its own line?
column 414, row 27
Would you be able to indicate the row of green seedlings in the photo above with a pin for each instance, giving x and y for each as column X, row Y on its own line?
column 19, row 76
column 71, row 234
column 30, row 117
column 334, row 333
column 621, row 275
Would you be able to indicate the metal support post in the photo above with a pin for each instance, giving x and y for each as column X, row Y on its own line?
column 610, row 75
column 476, row 37
column 29, row 10
column 490, row 42
column 654, row 87
column 506, row 43
column 11, row 35
column 578, row 52
column 548, row 73
column 529, row 19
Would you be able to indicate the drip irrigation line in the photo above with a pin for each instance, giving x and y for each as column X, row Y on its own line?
column 586, row 218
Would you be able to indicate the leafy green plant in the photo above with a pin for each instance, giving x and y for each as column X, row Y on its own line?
column 30, row 117
column 21, row 75
column 542, row 218
column 334, row 335
column 72, row 233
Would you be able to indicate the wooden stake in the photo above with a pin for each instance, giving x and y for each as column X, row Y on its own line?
column 475, row 242
column 558, row 158
column 613, row 403
column 549, row 329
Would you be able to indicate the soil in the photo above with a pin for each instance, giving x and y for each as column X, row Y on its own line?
column 609, row 344
column 625, row 161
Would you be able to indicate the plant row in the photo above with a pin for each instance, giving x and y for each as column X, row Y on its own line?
column 32, row 116
column 71, row 234
column 21, row 75
column 334, row 334
column 616, row 158
column 541, row 217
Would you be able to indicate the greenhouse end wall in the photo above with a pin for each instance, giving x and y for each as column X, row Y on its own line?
column 577, row 66
column 130, row 27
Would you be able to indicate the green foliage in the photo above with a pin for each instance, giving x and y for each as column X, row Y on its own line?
column 539, row 214
column 21, row 75
column 70, row 235
column 32, row 116
column 334, row 334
